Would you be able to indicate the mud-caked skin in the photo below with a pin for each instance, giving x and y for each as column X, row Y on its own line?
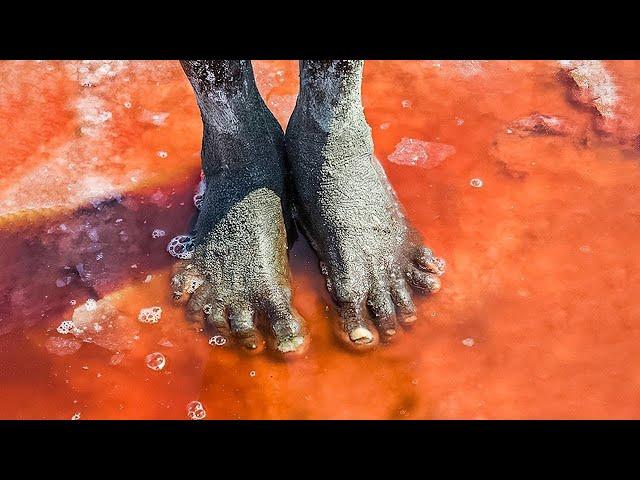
column 238, row 275
column 349, row 211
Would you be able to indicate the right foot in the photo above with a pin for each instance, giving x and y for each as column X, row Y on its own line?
column 238, row 273
column 368, row 252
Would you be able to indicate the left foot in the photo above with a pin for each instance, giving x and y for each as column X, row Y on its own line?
column 349, row 211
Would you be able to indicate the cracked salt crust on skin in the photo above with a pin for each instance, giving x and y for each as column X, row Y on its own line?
column 594, row 80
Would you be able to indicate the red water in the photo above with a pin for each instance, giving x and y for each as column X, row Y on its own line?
column 537, row 317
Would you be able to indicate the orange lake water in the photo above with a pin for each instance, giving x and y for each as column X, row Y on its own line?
column 538, row 317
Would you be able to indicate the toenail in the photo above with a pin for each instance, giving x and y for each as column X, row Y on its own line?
column 410, row 319
column 290, row 345
column 361, row 335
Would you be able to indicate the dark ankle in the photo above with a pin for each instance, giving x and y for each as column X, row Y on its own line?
column 330, row 93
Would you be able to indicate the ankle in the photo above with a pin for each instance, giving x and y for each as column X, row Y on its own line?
column 330, row 92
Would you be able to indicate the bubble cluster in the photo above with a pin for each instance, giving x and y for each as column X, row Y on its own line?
column 157, row 233
column 162, row 154
column 181, row 247
column 197, row 200
column 65, row 327
column 195, row 410
column 217, row 340
column 199, row 196
column 155, row 361
column 150, row 315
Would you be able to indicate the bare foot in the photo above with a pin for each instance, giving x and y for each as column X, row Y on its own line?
column 238, row 276
column 349, row 211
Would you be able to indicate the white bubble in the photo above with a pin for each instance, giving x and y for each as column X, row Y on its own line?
column 476, row 182
column 162, row 154
column 199, row 195
column 252, row 373
column 406, row 103
column 65, row 327
column 147, row 278
column 90, row 305
column 155, row 361
column 181, row 247
column 195, row 410
column 468, row 342
column 150, row 315
column 384, row 126
column 76, row 416
column 157, row 233
column 127, row 104
column 217, row 340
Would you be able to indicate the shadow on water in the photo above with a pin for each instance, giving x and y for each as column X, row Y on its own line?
column 89, row 253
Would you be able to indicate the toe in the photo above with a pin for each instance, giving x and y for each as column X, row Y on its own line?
column 195, row 306
column 354, row 329
column 405, row 308
column 185, row 281
column 426, row 260
column 426, row 282
column 383, row 313
column 241, row 321
column 214, row 314
column 289, row 334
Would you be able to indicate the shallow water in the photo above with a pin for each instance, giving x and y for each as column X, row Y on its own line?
column 513, row 171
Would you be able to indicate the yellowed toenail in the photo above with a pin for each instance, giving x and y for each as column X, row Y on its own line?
column 290, row 345
column 410, row 319
column 360, row 335
column 434, row 285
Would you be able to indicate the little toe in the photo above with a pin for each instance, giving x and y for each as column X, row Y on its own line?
column 425, row 259
column 423, row 281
